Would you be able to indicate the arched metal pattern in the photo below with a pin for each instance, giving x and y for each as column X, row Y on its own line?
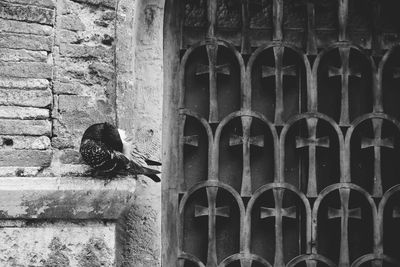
column 211, row 68
column 335, row 69
column 285, row 144
column 283, row 63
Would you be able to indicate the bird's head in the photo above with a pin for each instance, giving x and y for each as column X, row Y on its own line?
column 105, row 133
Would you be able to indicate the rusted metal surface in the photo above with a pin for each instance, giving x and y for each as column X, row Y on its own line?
column 333, row 195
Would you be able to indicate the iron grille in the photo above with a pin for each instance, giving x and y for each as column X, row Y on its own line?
column 288, row 135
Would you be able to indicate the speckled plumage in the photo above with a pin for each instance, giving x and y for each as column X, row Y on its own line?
column 103, row 149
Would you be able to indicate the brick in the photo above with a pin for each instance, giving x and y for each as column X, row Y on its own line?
column 70, row 156
column 62, row 142
column 105, row 3
column 73, row 103
column 24, row 84
column 102, row 70
column 25, row 127
column 67, row 88
column 26, row 70
column 24, row 142
column 12, row 112
column 28, row 158
column 27, row 13
column 22, row 55
column 23, row 41
column 19, row 171
column 25, row 27
column 43, row 3
column 84, row 51
column 31, row 98
column 71, row 22
column 66, row 36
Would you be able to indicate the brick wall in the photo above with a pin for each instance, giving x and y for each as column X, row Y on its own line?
column 66, row 64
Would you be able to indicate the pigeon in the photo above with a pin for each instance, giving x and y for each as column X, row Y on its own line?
column 106, row 149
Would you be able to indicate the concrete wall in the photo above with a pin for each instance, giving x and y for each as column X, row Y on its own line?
column 64, row 65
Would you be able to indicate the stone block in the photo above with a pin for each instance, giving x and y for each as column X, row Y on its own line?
column 70, row 156
column 19, row 171
column 24, row 27
column 43, row 3
column 105, row 3
column 27, row 13
column 24, row 84
column 102, row 71
column 62, row 142
column 66, row 36
column 25, row 127
column 23, row 41
column 58, row 244
column 26, row 70
column 67, row 88
column 25, row 158
column 85, row 51
column 22, row 55
column 31, row 98
column 71, row 22
column 24, row 142
column 14, row 112
column 73, row 103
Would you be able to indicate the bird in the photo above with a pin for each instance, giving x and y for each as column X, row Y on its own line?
column 106, row 149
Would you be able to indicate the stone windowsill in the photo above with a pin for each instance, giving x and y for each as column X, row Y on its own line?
column 69, row 198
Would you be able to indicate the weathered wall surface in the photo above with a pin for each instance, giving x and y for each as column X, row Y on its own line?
column 64, row 65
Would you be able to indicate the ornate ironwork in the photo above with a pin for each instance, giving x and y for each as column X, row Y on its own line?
column 332, row 205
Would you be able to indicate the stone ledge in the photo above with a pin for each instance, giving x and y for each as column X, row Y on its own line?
column 64, row 198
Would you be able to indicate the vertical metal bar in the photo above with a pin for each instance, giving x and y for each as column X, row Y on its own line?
column 311, row 39
column 343, row 15
column 344, row 110
column 278, row 53
column 376, row 28
column 212, row 18
column 212, row 51
column 246, row 188
column 278, row 20
column 212, row 245
column 246, row 47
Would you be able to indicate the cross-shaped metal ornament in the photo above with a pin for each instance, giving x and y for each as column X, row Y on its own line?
column 345, row 72
column 212, row 69
column 278, row 213
column 344, row 213
column 279, row 71
column 312, row 143
column 246, row 141
column 377, row 143
column 212, row 212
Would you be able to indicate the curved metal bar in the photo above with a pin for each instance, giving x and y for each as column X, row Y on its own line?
column 210, row 136
column 329, row 190
column 210, row 184
column 310, row 257
column 182, row 67
column 340, row 45
column 298, row 51
column 271, row 186
column 191, row 258
column 309, row 115
column 372, row 257
column 355, row 124
column 244, row 256
column 225, row 121
column 381, row 66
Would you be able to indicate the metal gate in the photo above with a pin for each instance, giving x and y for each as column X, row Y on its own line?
column 281, row 138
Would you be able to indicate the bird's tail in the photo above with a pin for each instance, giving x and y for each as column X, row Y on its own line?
column 152, row 174
column 136, row 169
